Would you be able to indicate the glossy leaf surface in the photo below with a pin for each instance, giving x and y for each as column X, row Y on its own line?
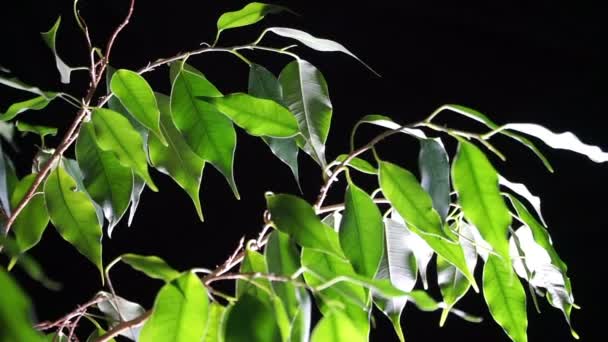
column 152, row 266
column 33, row 219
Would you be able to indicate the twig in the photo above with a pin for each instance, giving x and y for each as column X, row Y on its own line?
column 119, row 328
column 65, row 320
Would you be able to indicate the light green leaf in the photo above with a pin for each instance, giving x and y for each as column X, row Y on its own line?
column 294, row 216
column 213, row 333
column 36, row 103
column 73, row 214
column 306, row 95
column 386, row 122
column 117, row 309
column 114, row 133
column 337, row 327
column 15, row 312
column 476, row 182
column 251, row 320
column 137, row 96
column 208, row 132
column 150, row 265
column 254, row 262
column 176, row 159
column 358, row 164
column 42, row 131
column 259, row 117
column 180, row 312
column 505, row 297
column 115, row 105
column 248, row 15
column 315, row 43
column 107, row 181
column 361, row 231
column 33, row 219
column 263, row 84
column 411, row 202
column 49, row 38
column 435, row 174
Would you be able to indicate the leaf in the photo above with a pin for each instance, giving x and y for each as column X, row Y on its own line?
column 294, row 216
column 31, row 267
column 208, row 132
column 180, row 312
column 263, row 84
column 358, row 164
column 15, row 83
column 505, row 297
column 386, row 122
column 477, row 116
column 150, row 265
column 564, row 141
column 258, row 116
column 213, row 333
column 361, row 232
column 73, row 214
column 176, row 159
column 476, row 182
column 33, row 219
column 138, row 187
column 411, row 202
column 435, row 174
column 49, row 38
column 337, row 327
column 36, row 103
column 15, row 312
column 8, row 181
column 423, row 253
column 523, row 191
column 114, row 133
column 319, row 44
column 248, row 15
column 138, row 98
column 73, row 169
column 118, row 309
column 254, row 262
column 107, row 181
column 306, row 95
column 251, row 320
column 42, row 131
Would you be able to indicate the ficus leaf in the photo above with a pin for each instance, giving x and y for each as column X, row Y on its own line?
column 358, row 164
column 73, row 214
column 180, row 312
column 114, row 133
column 15, row 312
column 42, row 131
column 16, row 83
column 150, row 265
column 176, row 159
column 523, row 191
column 251, row 320
column 306, row 95
column 117, row 310
column 213, row 332
column 137, row 96
column 248, row 15
column 49, row 38
column 435, row 174
column 386, row 122
column 36, row 103
column 8, row 181
column 33, row 219
column 138, row 187
column 337, row 327
column 423, row 253
column 254, row 262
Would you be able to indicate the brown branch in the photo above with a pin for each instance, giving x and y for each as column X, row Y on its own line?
column 119, row 328
column 64, row 321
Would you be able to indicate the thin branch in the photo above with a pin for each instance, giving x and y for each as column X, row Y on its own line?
column 120, row 27
column 119, row 328
column 65, row 320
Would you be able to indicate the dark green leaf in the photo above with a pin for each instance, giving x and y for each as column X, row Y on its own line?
column 337, row 327
column 294, row 216
column 248, row 15
column 117, row 309
column 505, row 297
column 176, row 159
column 36, row 103
column 358, row 164
column 361, row 231
column 33, row 219
column 73, row 169
column 152, row 266
column 476, row 182
column 49, row 38
column 107, row 181
column 15, row 312
column 254, row 262
column 138, row 98
column 8, row 181
column 73, row 214
column 306, row 95
column 26, row 262
column 114, row 133
column 180, row 312
column 208, row 132
column 251, row 320
column 435, row 174
column 42, row 131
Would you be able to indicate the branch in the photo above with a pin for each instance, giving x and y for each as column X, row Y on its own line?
column 65, row 320
column 119, row 328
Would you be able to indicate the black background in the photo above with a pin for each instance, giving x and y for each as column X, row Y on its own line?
column 515, row 61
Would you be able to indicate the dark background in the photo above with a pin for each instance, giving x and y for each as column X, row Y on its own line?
column 515, row 61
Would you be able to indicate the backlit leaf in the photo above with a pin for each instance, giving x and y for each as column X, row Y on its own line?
column 251, row 320
column 435, row 174
column 358, row 164
column 49, row 38
column 213, row 333
column 42, row 131
column 337, row 327
column 36, row 103
column 118, row 309
column 386, row 122
column 8, row 180
column 150, row 265
column 33, row 219
column 15, row 312
column 248, row 15
column 522, row 190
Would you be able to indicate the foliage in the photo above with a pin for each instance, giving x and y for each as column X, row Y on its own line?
column 368, row 251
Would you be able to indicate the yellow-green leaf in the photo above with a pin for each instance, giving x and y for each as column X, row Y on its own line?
column 33, row 219
column 150, row 265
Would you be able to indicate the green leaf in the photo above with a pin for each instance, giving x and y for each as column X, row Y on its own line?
column 306, row 95
column 117, row 309
column 523, row 191
column 180, row 312
column 337, row 327
column 42, row 131
column 253, row 262
column 138, row 187
column 150, row 265
column 361, row 231
column 263, row 84
column 435, row 174
column 107, row 181
column 26, row 262
column 114, row 133
column 411, row 202
column 176, row 159
column 476, row 182
column 49, row 38
column 36, row 103
column 294, row 216
column 258, row 116
column 73, row 169
column 33, row 219
column 208, row 132
column 358, row 164
column 73, row 214
column 15, row 312
column 251, row 320
column 248, row 15
column 137, row 96
column 505, row 297
column 15, row 83
column 213, row 333
column 315, row 43
column 423, row 253
column 8, row 181
column 386, row 122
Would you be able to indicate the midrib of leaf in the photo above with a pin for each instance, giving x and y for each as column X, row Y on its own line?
column 266, row 118
column 69, row 210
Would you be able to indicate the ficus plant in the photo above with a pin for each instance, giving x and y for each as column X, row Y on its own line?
column 455, row 211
